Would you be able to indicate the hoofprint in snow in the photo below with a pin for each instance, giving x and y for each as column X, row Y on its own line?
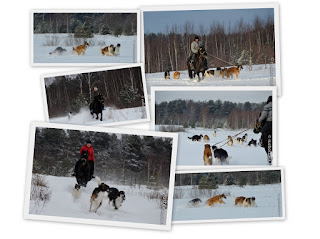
column 258, row 76
column 137, row 207
column 268, row 203
column 190, row 153
column 110, row 115
column 46, row 43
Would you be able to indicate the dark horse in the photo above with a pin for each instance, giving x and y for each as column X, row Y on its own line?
column 82, row 169
column 265, row 140
column 199, row 66
column 96, row 107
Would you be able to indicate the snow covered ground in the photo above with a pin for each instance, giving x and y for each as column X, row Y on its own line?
column 137, row 207
column 110, row 115
column 259, row 76
column 190, row 153
column 46, row 43
column 268, row 203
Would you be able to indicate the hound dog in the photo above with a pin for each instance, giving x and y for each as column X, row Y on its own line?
column 220, row 155
column 245, row 137
column 230, row 141
column 210, row 73
column 233, row 70
column 167, row 75
column 58, row 51
column 216, row 199
column 116, row 197
column 223, row 72
column 81, row 49
column 206, row 138
column 196, row 137
column 98, row 195
column 207, row 155
column 249, row 202
column 176, row 75
column 195, row 202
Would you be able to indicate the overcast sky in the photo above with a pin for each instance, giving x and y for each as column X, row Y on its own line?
column 156, row 21
column 233, row 96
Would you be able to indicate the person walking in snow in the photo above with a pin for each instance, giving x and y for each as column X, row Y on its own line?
column 88, row 147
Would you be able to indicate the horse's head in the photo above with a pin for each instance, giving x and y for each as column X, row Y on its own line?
column 257, row 128
column 202, row 52
column 84, row 155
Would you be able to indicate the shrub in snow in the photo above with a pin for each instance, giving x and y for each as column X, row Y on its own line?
column 40, row 192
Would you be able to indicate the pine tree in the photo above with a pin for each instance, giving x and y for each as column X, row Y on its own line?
column 230, row 180
column 242, row 181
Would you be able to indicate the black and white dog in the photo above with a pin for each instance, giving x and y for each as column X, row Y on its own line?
column 245, row 137
column 195, row 202
column 252, row 143
column 76, row 193
column 98, row 195
column 116, row 197
column 167, row 75
column 196, row 137
column 220, row 155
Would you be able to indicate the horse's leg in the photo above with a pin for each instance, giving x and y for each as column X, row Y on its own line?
column 97, row 115
column 101, row 116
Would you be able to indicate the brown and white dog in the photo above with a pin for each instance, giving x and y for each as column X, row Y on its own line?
column 223, row 72
column 206, row 138
column 216, row 199
column 98, row 195
column 176, row 75
column 249, row 202
column 81, row 49
column 238, row 200
column 230, row 141
column 233, row 70
column 207, row 155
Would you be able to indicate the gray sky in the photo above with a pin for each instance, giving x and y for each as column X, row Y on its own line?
column 233, row 96
column 156, row 21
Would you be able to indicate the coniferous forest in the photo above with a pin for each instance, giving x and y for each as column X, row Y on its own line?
column 124, row 158
column 239, row 43
column 86, row 24
column 240, row 178
column 208, row 114
column 122, row 88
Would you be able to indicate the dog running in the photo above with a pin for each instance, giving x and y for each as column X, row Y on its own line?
column 58, row 51
column 98, row 195
column 216, row 199
column 167, row 75
column 116, row 197
column 233, row 71
column 81, row 49
column 252, row 143
column 196, row 137
column 195, row 202
column 207, row 155
column 176, row 75
column 76, row 193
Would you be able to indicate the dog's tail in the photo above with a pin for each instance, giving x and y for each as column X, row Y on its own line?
column 98, row 180
column 189, row 137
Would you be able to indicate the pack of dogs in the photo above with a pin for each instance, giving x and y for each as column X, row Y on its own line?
column 224, row 73
column 239, row 201
column 80, row 50
column 100, row 193
column 220, row 155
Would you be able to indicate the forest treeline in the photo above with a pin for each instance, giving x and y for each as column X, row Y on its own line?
column 241, row 43
column 241, row 178
column 122, row 88
column 208, row 114
column 86, row 24
column 128, row 159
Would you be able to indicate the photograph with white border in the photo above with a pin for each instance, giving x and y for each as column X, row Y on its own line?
column 83, row 37
column 102, row 176
column 218, row 126
column 211, row 45
column 229, row 195
column 105, row 96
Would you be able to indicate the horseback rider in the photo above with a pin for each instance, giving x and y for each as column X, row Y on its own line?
column 195, row 46
column 266, row 115
column 88, row 147
column 96, row 93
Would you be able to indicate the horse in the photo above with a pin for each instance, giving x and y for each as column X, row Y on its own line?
column 199, row 66
column 266, row 139
column 96, row 107
column 82, row 169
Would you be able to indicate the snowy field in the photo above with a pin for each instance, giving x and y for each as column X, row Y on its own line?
column 46, row 43
column 259, row 76
column 110, row 115
column 268, row 203
column 137, row 208
column 190, row 153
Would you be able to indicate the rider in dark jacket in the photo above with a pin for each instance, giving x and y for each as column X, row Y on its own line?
column 266, row 115
column 96, row 93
